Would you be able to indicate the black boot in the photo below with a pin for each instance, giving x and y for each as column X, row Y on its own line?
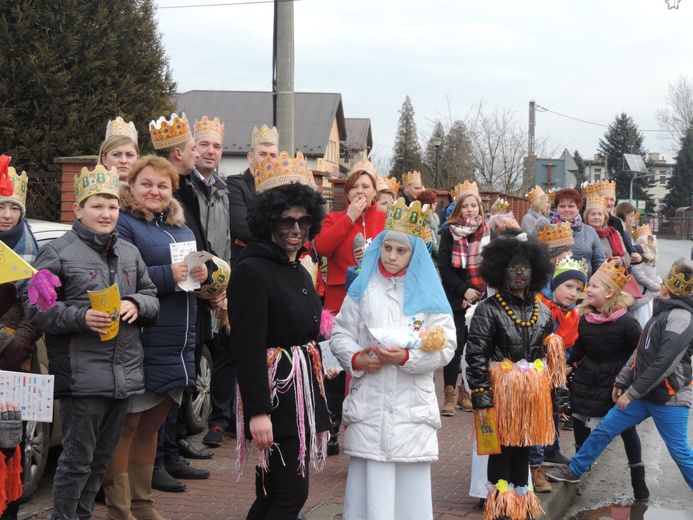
column 637, row 479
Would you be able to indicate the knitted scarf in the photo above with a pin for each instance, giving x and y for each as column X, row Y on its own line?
column 468, row 240
column 614, row 238
column 21, row 241
column 555, row 218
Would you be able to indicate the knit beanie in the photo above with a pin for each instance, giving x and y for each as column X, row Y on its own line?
column 569, row 269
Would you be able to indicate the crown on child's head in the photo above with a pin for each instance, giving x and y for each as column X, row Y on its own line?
column 571, row 264
column 613, row 276
column 410, row 177
column 264, row 135
column 534, row 194
column 596, row 201
column 606, row 188
column 501, row 205
column 556, row 235
column 641, row 231
column 409, row 220
column 677, row 283
column 118, row 126
column 207, row 127
column 100, row 181
column 169, row 133
column 464, row 189
column 280, row 171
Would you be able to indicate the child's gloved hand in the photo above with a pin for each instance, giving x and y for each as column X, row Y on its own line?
column 10, row 425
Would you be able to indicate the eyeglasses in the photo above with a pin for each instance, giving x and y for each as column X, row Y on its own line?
column 304, row 222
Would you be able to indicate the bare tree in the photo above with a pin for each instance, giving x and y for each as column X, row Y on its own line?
column 379, row 157
column 677, row 116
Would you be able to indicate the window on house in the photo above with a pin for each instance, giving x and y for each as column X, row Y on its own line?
column 597, row 175
column 663, row 178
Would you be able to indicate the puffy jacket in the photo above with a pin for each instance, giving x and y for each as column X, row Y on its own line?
column 493, row 336
column 169, row 347
column 214, row 214
column 241, row 192
column 600, row 352
column 648, row 281
column 588, row 246
column 660, row 369
column 84, row 365
column 532, row 220
column 392, row 414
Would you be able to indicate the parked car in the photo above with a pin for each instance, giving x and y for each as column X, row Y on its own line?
column 40, row 436
column 692, row 249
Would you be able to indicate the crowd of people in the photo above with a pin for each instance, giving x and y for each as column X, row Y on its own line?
column 561, row 316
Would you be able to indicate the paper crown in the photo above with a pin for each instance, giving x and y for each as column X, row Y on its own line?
column 118, row 126
column 282, row 170
column 387, row 184
column 588, row 188
column 409, row 220
column 534, row 194
column 410, row 177
column 502, row 221
column 501, row 205
column 571, row 264
column 366, row 167
column 552, row 196
column 264, row 135
column 19, row 185
column 99, row 181
column 606, row 188
column 465, row 188
column 220, row 280
column 167, row 134
column 556, row 235
column 613, row 276
column 641, row 231
column 677, row 283
column 596, row 201
column 207, row 127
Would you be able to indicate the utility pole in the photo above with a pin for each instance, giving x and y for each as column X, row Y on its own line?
column 530, row 164
column 283, row 73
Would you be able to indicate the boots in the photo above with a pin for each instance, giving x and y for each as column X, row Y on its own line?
column 448, row 409
column 116, row 488
column 141, row 491
column 637, row 479
column 464, row 402
column 541, row 483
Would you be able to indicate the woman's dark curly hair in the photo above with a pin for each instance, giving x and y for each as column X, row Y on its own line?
column 268, row 207
column 498, row 255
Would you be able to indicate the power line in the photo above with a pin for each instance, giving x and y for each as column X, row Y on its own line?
column 544, row 109
column 222, row 5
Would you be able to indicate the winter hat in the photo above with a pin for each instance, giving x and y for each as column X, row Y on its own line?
column 12, row 186
column 397, row 236
column 569, row 269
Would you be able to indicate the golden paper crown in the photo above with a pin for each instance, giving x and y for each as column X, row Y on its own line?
column 552, row 196
column 556, row 235
column 534, row 194
column 596, row 201
column 588, row 188
column 502, row 221
column 614, row 277
column 410, row 176
column 282, row 170
column 99, row 181
column 677, row 283
column 167, row 134
column 465, row 188
column 366, row 167
column 19, row 184
column 641, row 231
column 606, row 188
column 119, row 127
column 387, row 184
column 501, row 205
column 219, row 280
column 265, row 135
column 207, row 127
column 409, row 220
column 571, row 264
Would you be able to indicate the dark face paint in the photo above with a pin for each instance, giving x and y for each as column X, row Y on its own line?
column 517, row 277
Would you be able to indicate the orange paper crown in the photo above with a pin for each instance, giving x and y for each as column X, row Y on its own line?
column 465, row 188
column 167, row 134
column 614, row 277
column 265, row 135
column 534, row 194
column 207, row 127
column 410, row 177
column 677, row 283
column 119, row 127
column 641, row 231
column 556, row 235
column 588, row 188
column 595, row 201
column 606, row 188
column 271, row 172
column 409, row 220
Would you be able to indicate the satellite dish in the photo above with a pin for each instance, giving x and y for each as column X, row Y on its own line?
column 635, row 163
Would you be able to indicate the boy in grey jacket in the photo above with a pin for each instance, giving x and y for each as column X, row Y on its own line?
column 93, row 377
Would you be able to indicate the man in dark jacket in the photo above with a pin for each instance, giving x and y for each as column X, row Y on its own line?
column 654, row 383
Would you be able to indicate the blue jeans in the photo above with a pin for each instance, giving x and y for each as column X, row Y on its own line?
column 536, row 453
column 671, row 423
column 91, row 431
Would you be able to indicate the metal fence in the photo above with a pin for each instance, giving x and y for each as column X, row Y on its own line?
column 43, row 196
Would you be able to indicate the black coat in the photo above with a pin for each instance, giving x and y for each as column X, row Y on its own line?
column 241, row 190
column 600, row 353
column 493, row 336
column 272, row 303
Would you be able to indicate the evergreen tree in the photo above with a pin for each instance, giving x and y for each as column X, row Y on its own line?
column 70, row 66
column 428, row 167
column 580, row 174
column 406, row 153
column 620, row 138
column 680, row 184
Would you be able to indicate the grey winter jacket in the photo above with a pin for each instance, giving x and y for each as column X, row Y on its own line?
column 214, row 214
column 531, row 220
column 84, row 365
column 648, row 282
column 588, row 246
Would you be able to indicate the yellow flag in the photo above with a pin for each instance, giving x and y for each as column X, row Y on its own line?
column 12, row 266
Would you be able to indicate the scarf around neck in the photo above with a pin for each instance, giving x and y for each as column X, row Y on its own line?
column 614, row 238
column 21, row 240
column 469, row 236
column 575, row 223
column 565, row 320
column 598, row 318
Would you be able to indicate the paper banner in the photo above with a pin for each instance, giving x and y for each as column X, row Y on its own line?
column 12, row 266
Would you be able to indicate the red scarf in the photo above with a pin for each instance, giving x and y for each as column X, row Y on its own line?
column 614, row 238
column 566, row 320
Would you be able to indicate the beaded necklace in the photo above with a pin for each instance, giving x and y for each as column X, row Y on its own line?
column 513, row 316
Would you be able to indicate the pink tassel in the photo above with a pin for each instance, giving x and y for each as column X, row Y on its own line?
column 326, row 323
column 41, row 289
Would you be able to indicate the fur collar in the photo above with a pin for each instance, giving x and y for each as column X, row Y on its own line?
column 173, row 216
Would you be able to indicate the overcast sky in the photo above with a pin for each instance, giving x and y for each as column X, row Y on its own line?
column 588, row 59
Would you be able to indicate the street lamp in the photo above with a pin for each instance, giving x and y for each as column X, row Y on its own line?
column 436, row 142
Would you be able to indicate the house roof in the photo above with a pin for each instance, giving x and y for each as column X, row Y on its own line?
column 359, row 134
column 241, row 111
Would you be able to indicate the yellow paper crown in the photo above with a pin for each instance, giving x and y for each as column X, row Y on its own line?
column 571, row 264
column 410, row 177
column 265, row 135
column 606, row 188
column 502, row 221
column 464, row 189
column 588, row 188
column 99, row 181
column 284, row 169
column 118, row 126
column 614, row 277
column 534, row 194
column 409, row 220
column 595, row 201
column 19, row 184
column 677, row 283
column 556, row 235
column 501, row 205
column 387, row 184
column 207, row 127
column 641, row 231
column 167, row 134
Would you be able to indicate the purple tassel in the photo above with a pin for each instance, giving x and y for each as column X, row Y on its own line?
column 41, row 289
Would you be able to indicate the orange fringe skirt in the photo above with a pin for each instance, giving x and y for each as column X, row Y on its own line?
column 514, row 503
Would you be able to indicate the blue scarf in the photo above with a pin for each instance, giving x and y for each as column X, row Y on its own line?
column 21, row 240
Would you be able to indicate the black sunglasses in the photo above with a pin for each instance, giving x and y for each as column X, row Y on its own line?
column 304, row 222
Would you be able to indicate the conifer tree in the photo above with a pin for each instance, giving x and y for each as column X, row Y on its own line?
column 680, row 184
column 406, row 151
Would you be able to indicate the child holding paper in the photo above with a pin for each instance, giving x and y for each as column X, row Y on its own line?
column 93, row 378
column 391, row 410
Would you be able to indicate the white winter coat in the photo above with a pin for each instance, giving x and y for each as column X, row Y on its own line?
column 392, row 415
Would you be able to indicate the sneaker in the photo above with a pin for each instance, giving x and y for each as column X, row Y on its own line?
column 555, row 458
column 214, row 437
column 541, row 485
column 562, row 474
column 568, row 425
